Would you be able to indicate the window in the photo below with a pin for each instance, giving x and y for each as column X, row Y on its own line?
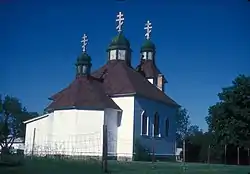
column 112, row 55
column 144, row 123
column 150, row 56
column 144, row 55
column 121, row 54
column 166, row 127
column 156, row 125
column 79, row 69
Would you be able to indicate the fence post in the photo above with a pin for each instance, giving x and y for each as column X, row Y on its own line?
column 238, row 155
column 248, row 155
column 153, row 150
column 184, row 151
column 208, row 154
column 33, row 142
column 225, row 156
column 105, row 149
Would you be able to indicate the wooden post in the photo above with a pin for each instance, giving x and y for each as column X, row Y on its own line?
column 208, row 154
column 225, row 151
column 33, row 142
column 105, row 150
column 184, row 151
column 153, row 150
column 248, row 154
column 238, row 155
column 184, row 155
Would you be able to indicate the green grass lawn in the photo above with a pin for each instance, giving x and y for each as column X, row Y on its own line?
column 49, row 166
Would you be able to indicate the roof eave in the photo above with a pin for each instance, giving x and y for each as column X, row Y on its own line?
column 35, row 119
column 52, row 109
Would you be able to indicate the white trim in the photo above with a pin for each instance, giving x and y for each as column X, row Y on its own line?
column 36, row 118
column 147, row 133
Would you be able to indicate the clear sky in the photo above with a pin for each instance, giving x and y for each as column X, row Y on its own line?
column 202, row 45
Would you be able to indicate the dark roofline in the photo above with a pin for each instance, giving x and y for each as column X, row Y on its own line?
column 79, row 108
column 136, row 94
column 168, row 104
column 36, row 118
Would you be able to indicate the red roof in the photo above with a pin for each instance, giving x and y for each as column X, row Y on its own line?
column 84, row 92
column 122, row 79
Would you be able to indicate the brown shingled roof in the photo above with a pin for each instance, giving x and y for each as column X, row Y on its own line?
column 150, row 70
column 84, row 92
column 123, row 79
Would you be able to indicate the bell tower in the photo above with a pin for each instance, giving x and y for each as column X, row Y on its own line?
column 83, row 63
column 119, row 48
column 147, row 65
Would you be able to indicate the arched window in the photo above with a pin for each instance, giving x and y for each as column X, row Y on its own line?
column 144, row 123
column 156, row 125
column 166, row 127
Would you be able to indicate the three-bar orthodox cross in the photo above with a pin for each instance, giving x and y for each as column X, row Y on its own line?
column 148, row 27
column 84, row 42
column 120, row 19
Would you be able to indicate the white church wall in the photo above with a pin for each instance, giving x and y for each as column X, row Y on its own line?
column 78, row 132
column 163, row 145
column 36, row 135
column 125, row 130
column 111, row 120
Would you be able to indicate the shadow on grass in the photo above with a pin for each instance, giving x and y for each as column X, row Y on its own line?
column 52, row 166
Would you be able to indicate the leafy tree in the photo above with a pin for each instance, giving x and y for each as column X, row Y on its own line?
column 229, row 119
column 183, row 123
column 12, row 115
column 194, row 130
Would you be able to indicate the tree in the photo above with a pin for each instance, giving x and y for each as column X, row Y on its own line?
column 12, row 115
column 229, row 119
column 194, row 130
column 183, row 123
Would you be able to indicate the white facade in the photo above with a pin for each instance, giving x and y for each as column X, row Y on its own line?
column 71, row 132
column 80, row 132
column 126, row 128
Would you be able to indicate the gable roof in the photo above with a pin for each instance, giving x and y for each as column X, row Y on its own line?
column 123, row 79
column 84, row 92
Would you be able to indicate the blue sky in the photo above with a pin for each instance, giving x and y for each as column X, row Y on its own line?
column 201, row 45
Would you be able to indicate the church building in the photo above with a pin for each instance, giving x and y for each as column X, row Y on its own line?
column 130, row 101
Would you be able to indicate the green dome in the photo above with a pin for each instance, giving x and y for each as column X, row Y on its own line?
column 148, row 46
column 119, row 42
column 84, row 58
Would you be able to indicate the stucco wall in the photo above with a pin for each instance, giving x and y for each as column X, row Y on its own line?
column 37, row 131
column 111, row 120
column 125, row 130
column 68, row 132
column 164, row 145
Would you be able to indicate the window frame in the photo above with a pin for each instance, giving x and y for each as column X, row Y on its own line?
column 156, row 125
column 143, row 121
